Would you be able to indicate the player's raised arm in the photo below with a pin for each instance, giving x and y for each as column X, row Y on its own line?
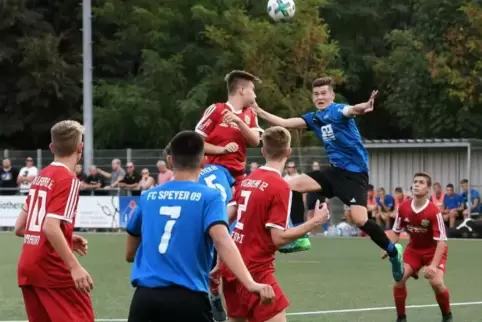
column 291, row 123
column 133, row 230
column 362, row 108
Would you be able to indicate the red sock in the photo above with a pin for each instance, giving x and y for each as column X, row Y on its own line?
column 443, row 300
column 400, row 296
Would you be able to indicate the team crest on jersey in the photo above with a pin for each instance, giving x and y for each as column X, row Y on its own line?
column 247, row 119
column 425, row 223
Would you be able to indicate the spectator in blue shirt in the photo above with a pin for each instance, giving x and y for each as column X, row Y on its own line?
column 386, row 206
column 473, row 207
column 453, row 205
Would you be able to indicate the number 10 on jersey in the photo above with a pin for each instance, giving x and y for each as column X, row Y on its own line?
column 174, row 213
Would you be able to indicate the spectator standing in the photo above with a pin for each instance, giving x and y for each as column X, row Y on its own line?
column 79, row 173
column 291, row 171
column 8, row 179
column 94, row 182
column 473, row 207
column 165, row 175
column 131, row 180
column 116, row 176
column 453, row 205
column 147, row 182
column 26, row 176
column 253, row 166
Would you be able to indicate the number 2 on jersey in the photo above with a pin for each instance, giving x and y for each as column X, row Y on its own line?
column 173, row 212
column 242, row 208
column 37, row 209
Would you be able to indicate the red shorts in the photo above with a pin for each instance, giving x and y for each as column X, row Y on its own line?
column 420, row 258
column 240, row 303
column 57, row 305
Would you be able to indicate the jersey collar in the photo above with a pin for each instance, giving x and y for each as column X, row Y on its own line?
column 59, row 164
column 270, row 169
column 233, row 109
column 417, row 211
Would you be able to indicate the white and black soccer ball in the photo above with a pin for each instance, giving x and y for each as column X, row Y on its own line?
column 281, row 10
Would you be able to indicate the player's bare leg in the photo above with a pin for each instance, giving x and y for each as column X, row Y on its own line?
column 400, row 294
column 238, row 320
column 441, row 295
column 280, row 317
column 305, row 183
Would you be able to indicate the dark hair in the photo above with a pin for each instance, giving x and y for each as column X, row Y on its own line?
column 399, row 190
column 322, row 81
column 426, row 176
column 371, row 187
column 464, row 181
column 187, row 150
column 233, row 78
column 451, row 186
column 167, row 150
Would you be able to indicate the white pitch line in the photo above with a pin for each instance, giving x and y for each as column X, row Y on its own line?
column 367, row 309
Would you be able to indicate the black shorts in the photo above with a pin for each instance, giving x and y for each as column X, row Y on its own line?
column 169, row 304
column 312, row 197
column 350, row 187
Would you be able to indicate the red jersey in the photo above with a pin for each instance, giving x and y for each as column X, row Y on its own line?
column 54, row 193
column 264, row 201
column 425, row 225
column 218, row 133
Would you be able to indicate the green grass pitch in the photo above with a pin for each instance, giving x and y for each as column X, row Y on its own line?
column 340, row 279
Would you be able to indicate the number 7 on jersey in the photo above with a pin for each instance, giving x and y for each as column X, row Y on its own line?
column 174, row 212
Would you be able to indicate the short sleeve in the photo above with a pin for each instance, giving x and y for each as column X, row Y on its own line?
column 308, row 118
column 340, row 111
column 438, row 226
column 215, row 211
column 254, row 124
column 475, row 194
column 134, row 226
column 208, row 121
column 64, row 200
column 33, row 172
column 399, row 224
column 279, row 210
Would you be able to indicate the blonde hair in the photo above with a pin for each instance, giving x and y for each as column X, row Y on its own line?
column 65, row 136
column 276, row 142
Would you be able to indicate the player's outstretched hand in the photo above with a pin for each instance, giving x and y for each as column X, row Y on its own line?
column 430, row 272
column 264, row 291
column 371, row 102
column 83, row 281
column 231, row 147
column 80, row 245
column 322, row 214
column 230, row 117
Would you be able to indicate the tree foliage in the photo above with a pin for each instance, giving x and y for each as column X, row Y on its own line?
column 157, row 65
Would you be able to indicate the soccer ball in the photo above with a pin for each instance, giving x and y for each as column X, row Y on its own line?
column 281, row 10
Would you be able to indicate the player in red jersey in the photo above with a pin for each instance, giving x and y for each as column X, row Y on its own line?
column 54, row 285
column 263, row 203
column 228, row 128
column 427, row 246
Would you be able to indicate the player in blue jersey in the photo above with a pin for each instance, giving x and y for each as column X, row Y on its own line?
column 172, row 234
column 217, row 177
column 347, row 175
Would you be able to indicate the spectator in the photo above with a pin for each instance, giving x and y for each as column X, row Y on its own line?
column 131, row 180
column 453, row 205
column 116, row 176
column 399, row 198
column 473, row 207
column 26, row 176
column 372, row 206
column 253, row 166
column 8, row 179
column 147, row 182
column 94, row 182
column 165, row 174
column 291, row 171
column 386, row 205
column 79, row 173
column 438, row 196
column 315, row 166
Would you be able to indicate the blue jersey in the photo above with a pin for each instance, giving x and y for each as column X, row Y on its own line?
column 218, row 177
column 173, row 221
column 340, row 136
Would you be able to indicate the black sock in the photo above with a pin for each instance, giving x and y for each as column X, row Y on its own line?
column 297, row 212
column 379, row 237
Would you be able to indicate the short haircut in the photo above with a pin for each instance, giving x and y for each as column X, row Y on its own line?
column 322, row 81
column 233, row 79
column 464, row 181
column 437, row 184
column 371, row 187
column 187, row 150
column 451, row 186
column 424, row 175
column 398, row 190
column 65, row 136
column 276, row 141
column 167, row 150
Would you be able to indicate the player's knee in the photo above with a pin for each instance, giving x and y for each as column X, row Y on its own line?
column 280, row 317
column 359, row 215
column 400, row 284
column 437, row 284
